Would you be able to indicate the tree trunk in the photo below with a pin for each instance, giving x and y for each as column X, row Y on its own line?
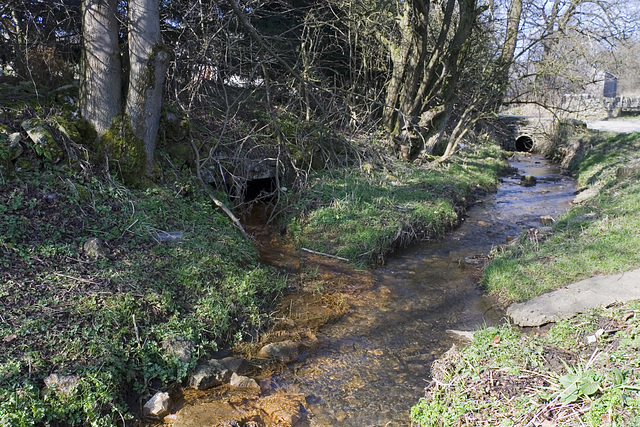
column 399, row 52
column 149, row 61
column 100, row 91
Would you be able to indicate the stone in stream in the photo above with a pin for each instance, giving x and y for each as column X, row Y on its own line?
column 210, row 374
column 239, row 381
column 528, row 181
column 282, row 409
column 157, row 406
column 216, row 372
column 235, row 364
column 285, row 351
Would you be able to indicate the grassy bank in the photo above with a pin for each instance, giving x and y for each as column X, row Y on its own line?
column 582, row 371
column 104, row 317
column 93, row 293
column 363, row 214
column 599, row 236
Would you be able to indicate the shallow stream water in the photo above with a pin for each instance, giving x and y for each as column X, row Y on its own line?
column 373, row 363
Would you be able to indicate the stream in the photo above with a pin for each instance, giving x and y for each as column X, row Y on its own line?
column 373, row 363
column 370, row 365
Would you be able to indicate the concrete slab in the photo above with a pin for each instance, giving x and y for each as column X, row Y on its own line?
column 594, row 292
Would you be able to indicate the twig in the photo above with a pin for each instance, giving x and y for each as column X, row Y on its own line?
column 324, row 254
column 78, row 279
column 135, row 327
column 213, row 198
column 127, row 229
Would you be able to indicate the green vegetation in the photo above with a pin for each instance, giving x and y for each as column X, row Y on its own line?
column 582, row 371
column 93, row 293
column 105, row 316
column 600, row 236
column 364, row 214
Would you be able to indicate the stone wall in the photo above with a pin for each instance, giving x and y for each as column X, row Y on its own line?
column 590, row 107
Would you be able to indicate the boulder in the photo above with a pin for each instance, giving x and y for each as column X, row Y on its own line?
column 235, row 364
column 210, row 374
column 157, row 406
column 546, row 220
column 14, row 146
column 285, row 351
column 179, row 347
column 586, row 194
column 93, row 248
column 44, row 143
column 545, row 231
column 626, row 171
column 64, row 384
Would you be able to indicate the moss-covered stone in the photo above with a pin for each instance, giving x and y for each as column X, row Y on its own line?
column 44, row 143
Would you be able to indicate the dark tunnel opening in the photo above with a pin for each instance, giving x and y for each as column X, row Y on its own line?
column 524, row 143
column 260, row 190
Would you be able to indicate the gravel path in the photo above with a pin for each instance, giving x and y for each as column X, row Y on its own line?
column 616, row 125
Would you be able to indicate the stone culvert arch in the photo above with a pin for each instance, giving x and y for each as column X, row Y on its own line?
column 528, row 134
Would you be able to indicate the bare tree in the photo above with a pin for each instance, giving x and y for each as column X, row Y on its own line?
column 562, row 45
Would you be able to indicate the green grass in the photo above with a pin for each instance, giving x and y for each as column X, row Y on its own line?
column 106, row 319
column 364, row 214
column 601, row 236
column 583, row 371
column 505, row 378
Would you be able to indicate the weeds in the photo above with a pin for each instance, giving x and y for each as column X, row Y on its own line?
column 363, row 215
column 106, row 318
column 507, row 378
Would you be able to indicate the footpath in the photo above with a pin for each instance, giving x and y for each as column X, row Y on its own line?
column 579, row 297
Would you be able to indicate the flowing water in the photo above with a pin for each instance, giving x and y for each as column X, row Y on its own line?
column 373, row 363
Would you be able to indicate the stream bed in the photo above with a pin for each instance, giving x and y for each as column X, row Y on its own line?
column 373, row 363
column 370, row 365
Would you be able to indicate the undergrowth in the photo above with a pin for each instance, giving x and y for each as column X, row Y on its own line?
column 583, row 372
column 105, row 318
column 363, row 214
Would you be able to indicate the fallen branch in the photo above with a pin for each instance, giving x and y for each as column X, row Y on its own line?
column 213, row 198
column 323, row 254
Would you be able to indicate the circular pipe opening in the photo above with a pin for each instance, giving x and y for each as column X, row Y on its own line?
column 524, row 143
